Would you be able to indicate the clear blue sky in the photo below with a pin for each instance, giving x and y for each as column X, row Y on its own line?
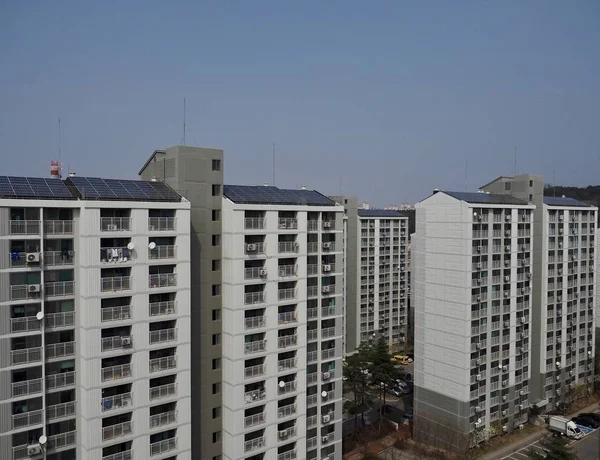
column 393, row 97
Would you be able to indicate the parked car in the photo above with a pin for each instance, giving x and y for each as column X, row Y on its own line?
column 586, row 421
column 593, row 415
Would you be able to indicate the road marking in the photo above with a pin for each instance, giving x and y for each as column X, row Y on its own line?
column 509, row 457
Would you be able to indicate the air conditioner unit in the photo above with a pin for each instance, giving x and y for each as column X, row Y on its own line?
column 34, row 288
column 504, row 412
column 574, row 231
column 506, row 323
column 479, row 217
column 560, row 231
column 504, row 383
column 521, row 393
column 507, row 278
column 561, row 217
column 523, row 262
column 326, row 245
column 560, row 244
column 478, row 409
column 558, row 391
column 283, row 433
column 478, row 361
column 479, row 265
column 34, row 449
column 478, row 248
column 328, row 224
column 478, row 345
column 126, row 341
column 576, row 294
column 520, row 406
column 478, row 377
column 504, row 427
column 282, row 225
column 507, row 248
column 326, row 268
column 478, row 298
column 504, row 368
column 506, row 263
column 520, row 350
column 32, row 257
column 559, row 312
column 325, row 289
column 507, row 217
column 504, row 397
column 522, row 335
column 251, row 247
column 529, row 275
column 522, row 320
column 326, row 375
column 478, row 280
column 324, row 439
column 506, row 293
column 263, row 272
column 560, row 271
column 521, row 426
column 507, row 233
column 326, row 418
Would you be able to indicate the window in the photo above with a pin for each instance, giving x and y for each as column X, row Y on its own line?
column 216, row 240
column 216, row 215
column 216, row 436
column 216, row 388
column 530, row 197
column 345, row 201
column 216, row 315
column 216, row 165
column 216, row 412
column 216, row 265
column 216, row 364
column 216, row 190
column 531, row 183
column 216, row 289
column 507, row 186
column 216, row 339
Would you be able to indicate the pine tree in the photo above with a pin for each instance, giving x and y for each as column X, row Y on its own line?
column 356, row 378
column 554, row 448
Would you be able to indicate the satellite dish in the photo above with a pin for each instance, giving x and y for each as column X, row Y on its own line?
column 500, row 366
column 39, row 315
column 478, row 420
column 130, row 246
column 152, row 245
column 558, row 363
column 281, row 384
column 43, row 439
column 324, row 393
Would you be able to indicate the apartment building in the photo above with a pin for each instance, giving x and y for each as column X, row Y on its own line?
column 282, row 324
column 471, row 288
column 94, row 307
column 377, row 271
column 564, row 281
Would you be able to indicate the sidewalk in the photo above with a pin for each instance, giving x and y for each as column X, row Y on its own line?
column 524, row 442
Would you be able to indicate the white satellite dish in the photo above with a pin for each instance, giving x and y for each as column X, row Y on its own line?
column 500, row 366
column 558, row 363
column 130, row 246
column 324, row 393
column 152, row 245
column 281, row 384
column 43, row 439
column 39, row 315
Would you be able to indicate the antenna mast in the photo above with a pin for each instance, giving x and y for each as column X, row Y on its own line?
column 273, row 164
column 515, row 160
column 184, row 121
column 466, row 174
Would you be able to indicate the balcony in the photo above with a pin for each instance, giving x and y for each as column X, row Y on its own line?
column 254, row 322
column 285, row 364
column 60, row 350
column 58, row 258
column 257, row 346
column 312, row 225
column 311, row 356
column 254, row 223
column 125, row 455
column 119, row 372
column 24, row 227
column 251, row 298
column 328, row 354
column 163, row 308
column 163, row 391
column 254, row 444
column 162, row 419
column 162, row 280
column 253, row 420
column 282, row 436
column 26, row 356
column 115, row 224
column 328, row 246
column 311, row 443
column 58, row 227
column 287, row 271
column 59, row 288
column 117, row 431
column 312, row 313
column 287, row 341
column 288, row 223
column 312, row 378
column 254, row 273
column 287, row 317
column 61, row 319
column 286, row 411
column 115, row 284
column 254, row 371
column 313, row 248
column 160, row 447
column 312, row 269
column 117, row 342
column 26, row 388
column 287, row 247
column 116, row 402
column 312, row 421
column 328, row 290
column 286, row 294
column 288, row 387
column 60, row 411
column 27, row 324
column 27, row 419
column 62, row 440
column 163, row 335
column 328, row 332
column 57, row 381
column 328, row 225
column 254, row 396
column 162, row 252
column 330, row 396
column 161, row 224
column 162, row 364
column 120, row 313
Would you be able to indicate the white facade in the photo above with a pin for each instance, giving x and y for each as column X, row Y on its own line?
column 471, row 283
column 282, row 331
column 100, row 340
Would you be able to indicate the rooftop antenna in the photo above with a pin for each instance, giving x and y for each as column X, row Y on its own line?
column 340, row 185
column 273, row 164
column 515, row 160
column 59, row 156
column 184, row 121
column 554, row 183
column 466, row 174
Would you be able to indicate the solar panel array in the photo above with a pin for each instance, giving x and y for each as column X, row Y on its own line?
column 485, row 198
column 564, row 201
column 250, row 194
column 95, row 188
column 34, row 188
column 379, row 213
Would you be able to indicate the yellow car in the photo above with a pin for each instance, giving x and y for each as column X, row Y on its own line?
column 402, row 359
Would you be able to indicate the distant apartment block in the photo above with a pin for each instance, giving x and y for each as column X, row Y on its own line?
column 471, row 287
column 94, row 320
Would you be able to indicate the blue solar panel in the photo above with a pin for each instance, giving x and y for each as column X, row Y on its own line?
column 379, row 213
column 564, row 201
column 95, row 188
column 33, row 187
column 485, row 198
column 249, row 194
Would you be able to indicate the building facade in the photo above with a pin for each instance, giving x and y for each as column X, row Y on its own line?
column 471, row 288
column 94, row 328
column 564, row 282
column 282, row 324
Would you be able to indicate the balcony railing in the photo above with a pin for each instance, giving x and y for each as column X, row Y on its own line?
column 161, row 224
column 116, row 402
column 328, row 332
column 254, row 371
column 62, row 440
column 286, row 294
column 56, row 381
column 312, row 421
column 286, row 411
column 285, row 364
column 24, row 227
column 58, row 227
column 118, row 372
column 287, row 317
column 312, row 291
column 254, row 297
column 125, row 455
column 115, row 284
column 287, row 341
column 163, row 308
column 164, row 335
column 117, row 342
column 288, row 223
column 162, row 252
column 288, row 247
column 312, row 225
column 26, row 356
column 287, row 387
column 117, row 431
column 254, row 223
column 60, row 350
column 58, row 258
column 286, row 434
column 287, row 271
column 255, row 396
column 328, row 311
column 311, row 356
column 59, row 288
column 312, row 313
column 312, row 269
column 254, row 273
column 312, row 247
column 163, row 391
column 27, row 419
column 328, row 354
column 27, row 324
column 329, row 225
column 253, row 420
column 257, row 346
column 254, row 444
column 61, row 319
column 160, row 447
column 312, row 378
column 115, row 224
column 120, row 313
column 59, row 411
column 162, row 280
column 162, row 364
column 28, row 387
column 254, row 322
column 162, row 419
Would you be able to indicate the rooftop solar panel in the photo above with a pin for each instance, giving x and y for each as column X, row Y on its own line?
column 249, row 194
column 95, row 188
column 564, row 201
column 379, row 213
column 485, row 198
column 34, row 188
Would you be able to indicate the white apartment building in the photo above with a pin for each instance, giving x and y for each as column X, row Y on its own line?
column 281, row 324
column 94, row 320
column 471, row 288
column 564, row 300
